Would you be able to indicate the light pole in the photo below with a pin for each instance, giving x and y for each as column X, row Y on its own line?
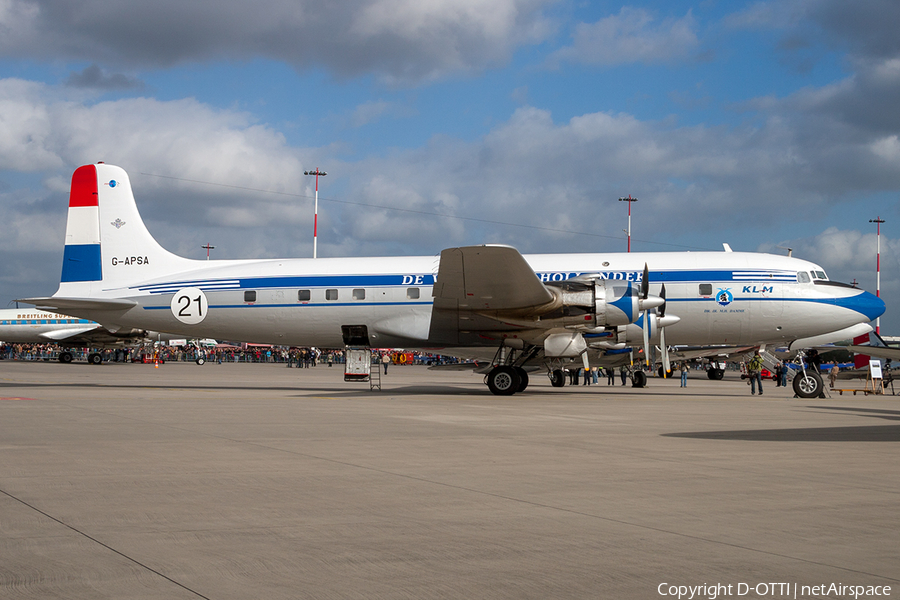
column 878, row 221
column 208, row 248
column 629, row 200
column 317, row 173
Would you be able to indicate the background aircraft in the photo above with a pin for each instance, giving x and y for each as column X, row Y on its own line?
column 548, row 310
column 30, row 326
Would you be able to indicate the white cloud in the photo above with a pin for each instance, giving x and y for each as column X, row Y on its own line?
column 632, row 36
column 849, row 255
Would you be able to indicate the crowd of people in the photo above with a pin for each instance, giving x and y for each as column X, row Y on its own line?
column 223, row 353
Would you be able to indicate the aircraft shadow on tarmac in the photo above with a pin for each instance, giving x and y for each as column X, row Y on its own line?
column 300, row 391
column 856, row 433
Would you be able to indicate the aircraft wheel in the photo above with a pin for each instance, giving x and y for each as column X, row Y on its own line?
column 666, row 374
column 638, row 379
column 557, row 378
column 200, row 361
column 809, row 385
column 523, row 379
column 95, row 358
column 715, row 374
column 65, row 357
column 503, row 381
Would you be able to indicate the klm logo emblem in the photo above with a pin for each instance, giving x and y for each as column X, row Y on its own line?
column 763, row 289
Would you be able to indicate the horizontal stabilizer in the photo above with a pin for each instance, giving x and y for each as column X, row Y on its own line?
column 68, row 304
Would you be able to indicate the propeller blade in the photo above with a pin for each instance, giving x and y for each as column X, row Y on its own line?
column 662, row 307
column 667, row 366
column 646, row 329
column 645, row 282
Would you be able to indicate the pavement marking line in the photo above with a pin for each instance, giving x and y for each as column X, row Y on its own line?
column 108, row 547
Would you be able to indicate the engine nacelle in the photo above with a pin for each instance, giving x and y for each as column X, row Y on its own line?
column 596, row 303
column 616, row 302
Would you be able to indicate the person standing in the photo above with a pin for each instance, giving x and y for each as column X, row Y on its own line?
column 684, row 372
column 623, row 374
column 610, row 376
column 385, row 360
column 754, row 371
column 784, row 373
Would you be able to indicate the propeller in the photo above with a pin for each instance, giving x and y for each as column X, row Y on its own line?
column 644, row 294
column 662, row 334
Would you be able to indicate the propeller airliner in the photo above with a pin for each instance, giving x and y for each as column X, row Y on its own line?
column 519, row 311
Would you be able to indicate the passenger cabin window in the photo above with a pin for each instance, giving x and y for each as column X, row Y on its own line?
column 331, row 294
column 706, row 289
column 359, row 294
column 412, row 293
column 303, row 295
column 803, row 277
column 250, row 296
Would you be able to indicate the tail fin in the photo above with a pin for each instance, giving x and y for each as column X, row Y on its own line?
column 107, row 244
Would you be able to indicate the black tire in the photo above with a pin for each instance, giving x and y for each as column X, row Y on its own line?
column 95, row 358
column 638, row 379
column 557, row 378
column 65, row 357
column 715, row 374
column 809, row 385
column 523, row 379
column 200, row 361
column 503, row 381
column 668, row 374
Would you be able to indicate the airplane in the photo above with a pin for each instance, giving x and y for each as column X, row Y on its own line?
column 519, row 311
column 30, row 326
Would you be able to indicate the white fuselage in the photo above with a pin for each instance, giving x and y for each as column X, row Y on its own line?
column 720, row 297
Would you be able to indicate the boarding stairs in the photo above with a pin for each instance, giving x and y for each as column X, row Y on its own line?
column 375, row 375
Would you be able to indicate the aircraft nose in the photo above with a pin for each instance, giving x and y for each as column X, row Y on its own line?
column 866, row 304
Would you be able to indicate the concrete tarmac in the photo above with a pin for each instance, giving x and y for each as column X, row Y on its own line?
column 259, row 481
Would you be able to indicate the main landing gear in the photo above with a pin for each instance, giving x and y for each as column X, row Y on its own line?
column 506, row 380
column 507, row 377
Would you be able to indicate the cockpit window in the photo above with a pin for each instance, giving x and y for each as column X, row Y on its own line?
column 820, row 274
column 803, row 277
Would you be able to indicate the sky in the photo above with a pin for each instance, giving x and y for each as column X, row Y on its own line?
column 763, row 125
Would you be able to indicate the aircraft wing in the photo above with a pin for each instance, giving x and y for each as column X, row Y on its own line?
column 489, row 278
column 477, row 285
column 876, row 351
column 709, row 352
column 65, row 334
